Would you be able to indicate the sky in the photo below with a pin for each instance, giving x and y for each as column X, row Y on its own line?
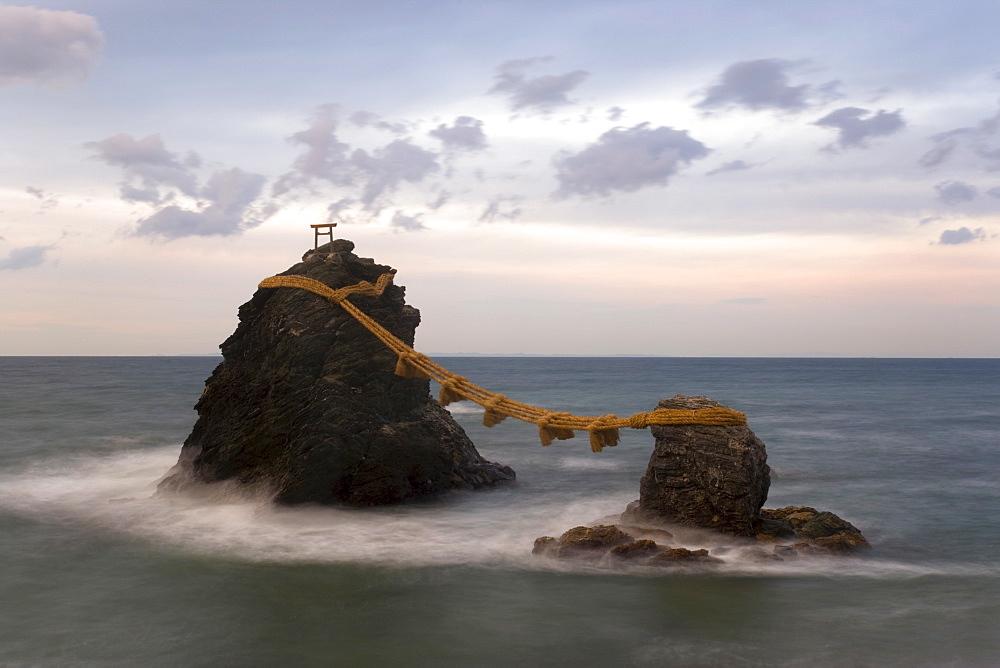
column 710, row 178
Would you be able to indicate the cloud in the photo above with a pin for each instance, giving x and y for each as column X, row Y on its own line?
column 402, row 221
column 148, row 162
column 734, row 166
column 994, row 192
column 977, row 139
column 495, row 209
column 540, row 94
column 855, row 130
column 756, row 85
column 389, row 166
column 57, row 48
column 225, row 209
column 626, row 160
column 24, row 257
column 156, row 176
column 615, row 114
column 962, row 235
column 370, row 176
column 325, row 156
column 955, row 192
column 465, row 134
column 47, row 200
column 366, row 119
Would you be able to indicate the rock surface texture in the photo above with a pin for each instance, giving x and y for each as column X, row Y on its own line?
column 714, row 477
column 305, row 404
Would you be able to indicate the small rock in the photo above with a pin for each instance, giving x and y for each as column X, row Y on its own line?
column 544, row 545
column 581, row 540
column 637, row 549
column 681, row 555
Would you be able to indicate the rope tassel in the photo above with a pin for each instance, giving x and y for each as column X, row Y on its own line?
column 601, row 435
column 406, row 368
column 547, row 432
column 449, row 391
column 493, row 413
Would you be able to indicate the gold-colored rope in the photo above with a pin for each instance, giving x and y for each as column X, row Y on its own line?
column 603, row 430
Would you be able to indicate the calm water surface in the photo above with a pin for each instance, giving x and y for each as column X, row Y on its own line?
column 98, row 572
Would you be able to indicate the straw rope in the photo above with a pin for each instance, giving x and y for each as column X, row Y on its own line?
column 602, row 431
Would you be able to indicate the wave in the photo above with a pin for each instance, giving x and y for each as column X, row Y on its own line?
column 497, row 528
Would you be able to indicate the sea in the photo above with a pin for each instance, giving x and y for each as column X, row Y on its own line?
column 97, row 570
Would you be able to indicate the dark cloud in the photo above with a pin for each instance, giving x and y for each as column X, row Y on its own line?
column 855, row 130
column 465, row 134
column 615, row 113
column 24, row 257
column 149, row 164
column 407, row 223
column 978, row 140
column 928, row 220
column 625, row 160
column 955, row 192
column 962, row 235
column 757, row 84
column 734, row 166
column 225, row 209
column 541, row 94
column 58, row 48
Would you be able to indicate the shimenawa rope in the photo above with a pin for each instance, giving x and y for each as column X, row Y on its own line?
column 603, row 430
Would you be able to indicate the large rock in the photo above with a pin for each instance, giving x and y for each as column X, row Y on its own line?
column 305, row 403
column 714, row 477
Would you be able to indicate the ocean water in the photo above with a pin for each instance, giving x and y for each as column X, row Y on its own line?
column 97, row 571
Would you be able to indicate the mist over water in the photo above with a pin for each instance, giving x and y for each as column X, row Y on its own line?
column 894, row 446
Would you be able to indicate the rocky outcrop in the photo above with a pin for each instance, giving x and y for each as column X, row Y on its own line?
column 714, row 477
column 305, row 404
column 811, row 530
column 710, row 482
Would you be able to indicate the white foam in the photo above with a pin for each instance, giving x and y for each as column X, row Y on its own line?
column 494, row 528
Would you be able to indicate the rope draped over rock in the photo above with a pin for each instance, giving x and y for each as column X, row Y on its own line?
column 603, row 430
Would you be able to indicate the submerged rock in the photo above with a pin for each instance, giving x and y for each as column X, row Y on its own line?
column 708, row 476
column 306, row 405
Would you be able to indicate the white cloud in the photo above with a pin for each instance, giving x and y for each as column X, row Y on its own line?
column 755, row 85
column 855, row 130
column 24, row 257
column 540, row 94
column 955, row 192
column 962, row 235
column 626, row 160
column 56, row 48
